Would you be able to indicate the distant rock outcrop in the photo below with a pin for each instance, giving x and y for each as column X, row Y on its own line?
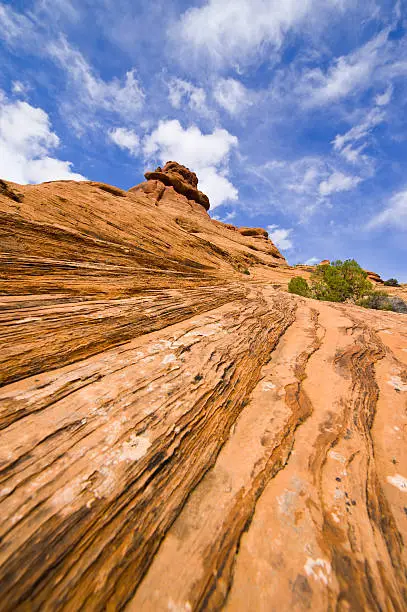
column 183, row 180
column 373, row 276
column 255, row 232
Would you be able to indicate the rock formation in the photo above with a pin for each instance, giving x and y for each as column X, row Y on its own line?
column 180, row 178
column 374, row 277
column 177, row 433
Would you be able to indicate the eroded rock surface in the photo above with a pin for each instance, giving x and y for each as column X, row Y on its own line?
column 178, row 434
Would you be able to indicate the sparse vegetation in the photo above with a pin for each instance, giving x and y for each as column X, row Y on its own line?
column 299, row 285
column 246, row 271
column 392, row 282
column 380, row 300
column 343, row 281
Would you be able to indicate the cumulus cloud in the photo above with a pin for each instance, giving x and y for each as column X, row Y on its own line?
column 180, row 91
column 281, row 237
column 26, row 140
column 125, row 139
column 338, row 182
column 205, row 154
column 232, row 95
column 395, row 214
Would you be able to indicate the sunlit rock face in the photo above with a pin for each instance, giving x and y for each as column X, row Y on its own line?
column 177, row 431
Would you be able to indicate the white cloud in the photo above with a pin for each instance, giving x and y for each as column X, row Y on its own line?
column 26, row 140
column 13, row 25
column 338, row 182
column 124, row 97
column 281, row 237
column 384, row 98
column 293, row 186
column 347, row 74
column 217, row 187
column 344, row 143
column 205, row 154
column 19, row 88
column 393, row 215
column 373, row 118
column 125, row 139
column 232, row 95
column 238, row 32
column 312, row 261
column 180, row 91
column 227, row 218
column 54, row 7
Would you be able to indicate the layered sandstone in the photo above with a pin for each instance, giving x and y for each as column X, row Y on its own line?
column 176, row 432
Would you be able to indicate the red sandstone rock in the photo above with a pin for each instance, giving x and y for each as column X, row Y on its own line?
column 179, row 435
column 181, row 179
column 253, row 231
column 373, row 276
column 324, row 262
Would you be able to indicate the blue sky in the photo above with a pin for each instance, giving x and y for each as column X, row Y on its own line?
column 293, row 114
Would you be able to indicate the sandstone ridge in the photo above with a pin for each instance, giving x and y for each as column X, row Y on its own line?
column 177, row 431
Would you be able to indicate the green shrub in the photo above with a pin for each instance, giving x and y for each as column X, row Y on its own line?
column 246, row 271
column 299, row 286
column 392, row 282
column 340, row 281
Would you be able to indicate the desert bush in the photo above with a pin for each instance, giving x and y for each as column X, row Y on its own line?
column 380, row 300
column 392, row 282
column 340, row 281
column 299, row 286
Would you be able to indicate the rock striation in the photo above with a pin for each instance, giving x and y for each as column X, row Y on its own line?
column 177, row 432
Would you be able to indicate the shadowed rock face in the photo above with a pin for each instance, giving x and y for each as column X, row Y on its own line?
column 176, row 432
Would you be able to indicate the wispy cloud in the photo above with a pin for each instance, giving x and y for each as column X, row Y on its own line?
column 240, row 32
column 182, row 92
column 346, row 75
column 394, row 214
column 232, row 95
column 357, row 135
column 338, row 181
column 124, row 97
